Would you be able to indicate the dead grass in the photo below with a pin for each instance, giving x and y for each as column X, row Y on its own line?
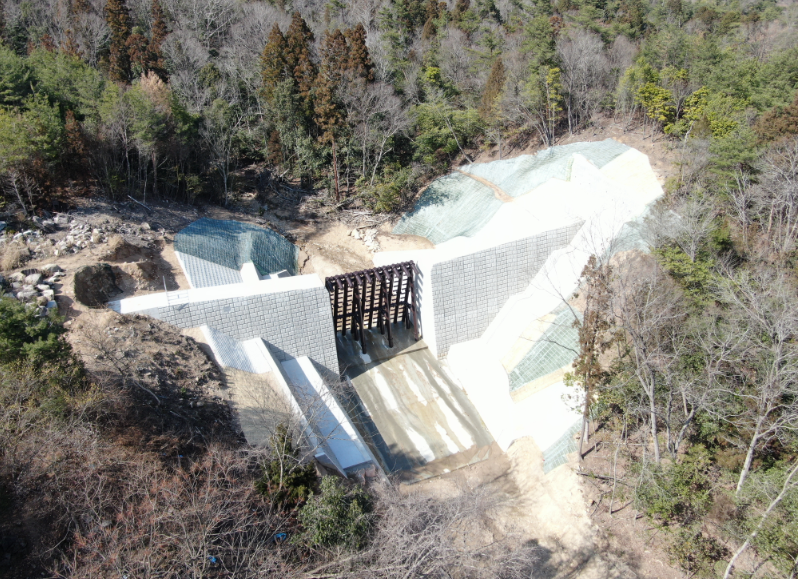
column 12, row 256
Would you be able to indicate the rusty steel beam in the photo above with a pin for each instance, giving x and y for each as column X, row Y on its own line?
column 387, row 293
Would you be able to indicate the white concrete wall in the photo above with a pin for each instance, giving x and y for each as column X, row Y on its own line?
column 606, row 199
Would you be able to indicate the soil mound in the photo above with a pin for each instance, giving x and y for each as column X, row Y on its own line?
column 95, row 284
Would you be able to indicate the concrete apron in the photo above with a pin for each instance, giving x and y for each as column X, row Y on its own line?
column 418, row 422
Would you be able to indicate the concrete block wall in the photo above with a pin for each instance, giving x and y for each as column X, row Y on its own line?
column 468, row 291
column 293, row 323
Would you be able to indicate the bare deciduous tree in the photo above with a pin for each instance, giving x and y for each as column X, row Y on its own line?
column 762, row 396
column 647, row 307
column 586, row 75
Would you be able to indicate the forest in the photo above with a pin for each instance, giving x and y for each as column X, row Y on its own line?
column 688, row 355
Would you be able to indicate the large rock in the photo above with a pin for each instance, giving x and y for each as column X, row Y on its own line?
column 33, row 279
column 95, row 284
column 50, row 269
column 25, row 296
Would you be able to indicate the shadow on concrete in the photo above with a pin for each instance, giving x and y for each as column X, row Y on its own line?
column 417, row 420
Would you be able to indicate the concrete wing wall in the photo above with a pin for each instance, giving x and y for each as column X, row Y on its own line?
column 293, row 323
column 468, row 291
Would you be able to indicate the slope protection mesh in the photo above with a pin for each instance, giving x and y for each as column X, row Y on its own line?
column 231, row 244
column 457, row 205
column 555, row 349
column 452, row 206
column 558, row 452
column 522, row 174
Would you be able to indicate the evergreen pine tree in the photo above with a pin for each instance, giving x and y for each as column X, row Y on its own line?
column 159, row 31
column 329, row 115
column 358, row 61
column 118, row 17
column 70, row 45
column 273, row 62
column 2, row 25
column 137, row 47
column 493, row 88
column 460, row 8
column 334, row 64
column 429, row 31
column 299, row 41
column 79, row 6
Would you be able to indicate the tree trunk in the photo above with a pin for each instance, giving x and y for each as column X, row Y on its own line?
column 154, row 175
column 786, row 487
column 654, row 439
column 335, row 172
column 14, row 183
column 749, row 456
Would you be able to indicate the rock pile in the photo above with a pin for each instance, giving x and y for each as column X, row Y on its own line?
column 65, row 234
column 34, row 286
column 369, row 237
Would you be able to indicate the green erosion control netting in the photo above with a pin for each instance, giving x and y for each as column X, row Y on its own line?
column 555, row 349
column 458, row 205
column 558, row 452
column 451, row 206
column 522, row 174
column 232, row 244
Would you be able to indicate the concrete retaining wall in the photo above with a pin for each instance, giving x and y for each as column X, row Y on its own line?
column 293, row 323
column 292, row 315
column 468, row 291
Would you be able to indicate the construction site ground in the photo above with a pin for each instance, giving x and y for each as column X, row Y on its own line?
column 557, row 510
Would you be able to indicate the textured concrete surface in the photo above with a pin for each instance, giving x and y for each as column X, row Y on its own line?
column 202, row 273
column 417, row 419
column 293, row 323
column 468, row 291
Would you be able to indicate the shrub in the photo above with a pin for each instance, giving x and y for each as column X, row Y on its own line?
column 678, row 492
column 285, row 480
column 696, row 553
column 25, row 336
column 337, row 517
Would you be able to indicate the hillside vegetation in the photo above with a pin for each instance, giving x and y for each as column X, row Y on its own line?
column 363, row 100
column 688, row 355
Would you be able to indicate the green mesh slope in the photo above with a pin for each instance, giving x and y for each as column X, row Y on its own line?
column 558, row 452
column 451, row 206
column 457, row 205
column 556, row 348
column 520, row 175
column 231, row 244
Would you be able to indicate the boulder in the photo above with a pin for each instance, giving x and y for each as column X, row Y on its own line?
column 25, row 296
column 46, row 226
column 33, row 279
column 18, row 277
column 50, row 269
column 95, row 284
